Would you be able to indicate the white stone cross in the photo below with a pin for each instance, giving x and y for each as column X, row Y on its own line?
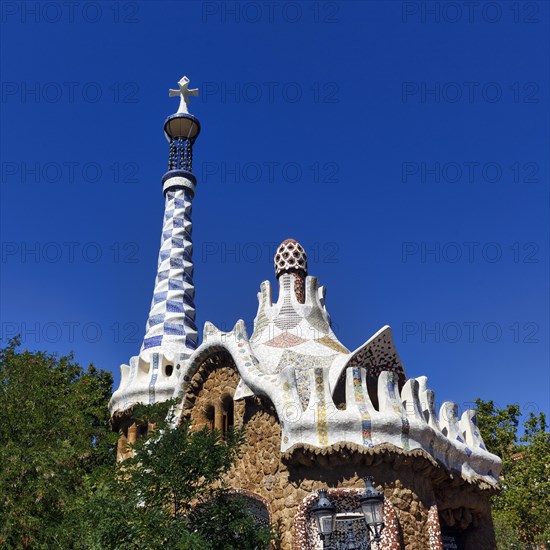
column 184, row 92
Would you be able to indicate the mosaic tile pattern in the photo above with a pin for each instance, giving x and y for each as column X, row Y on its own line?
column 299, row 287
column 145, row 380
column 154, row 378
column 322, row 427
column 379, row 356
column 318, row 319
column 303, row 365
column 288, row 317
column 290, row 256
column 298, row 322
column 332, row 344
column 171, row 322
column 405, row 426
column 360, row 399
column 285, row 340
column 434, row 529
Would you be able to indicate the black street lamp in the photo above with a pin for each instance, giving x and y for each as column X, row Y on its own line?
column 372, row 508
column 325, row 514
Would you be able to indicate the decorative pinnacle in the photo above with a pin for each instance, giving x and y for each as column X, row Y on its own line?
column 290, row 258
column 184, row 92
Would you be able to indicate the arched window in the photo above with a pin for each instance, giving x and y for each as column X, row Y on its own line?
column 228, row 413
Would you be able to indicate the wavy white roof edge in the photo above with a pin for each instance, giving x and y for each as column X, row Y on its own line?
column 405, row 419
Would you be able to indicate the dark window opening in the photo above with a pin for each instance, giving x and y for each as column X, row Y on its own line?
column 142, row 430
column 339, row 397
column 209, row 417
column 228, row 413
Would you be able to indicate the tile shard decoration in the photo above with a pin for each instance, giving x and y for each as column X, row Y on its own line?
column 285, row 340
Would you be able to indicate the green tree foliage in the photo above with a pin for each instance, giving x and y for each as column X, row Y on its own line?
column 168, row 495
column 53, row 433
column 521, row 511
column 60, row 485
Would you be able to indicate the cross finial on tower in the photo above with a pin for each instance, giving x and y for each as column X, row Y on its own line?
column 184, row 92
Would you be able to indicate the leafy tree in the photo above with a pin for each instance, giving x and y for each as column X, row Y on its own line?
column 498, row 427
column 168, row 493
column 54, row 432
column 521, row 511
column 60, row 485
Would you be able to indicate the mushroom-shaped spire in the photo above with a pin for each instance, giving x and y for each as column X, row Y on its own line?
column 291, row 258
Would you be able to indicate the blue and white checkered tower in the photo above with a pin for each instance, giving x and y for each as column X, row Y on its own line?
column 171, row 334
column 171, row 324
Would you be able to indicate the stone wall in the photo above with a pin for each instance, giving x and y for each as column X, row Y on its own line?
column 419, row 489
column 129, row 432
column 210, row 394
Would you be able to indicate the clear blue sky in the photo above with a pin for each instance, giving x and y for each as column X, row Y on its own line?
column 407, row 150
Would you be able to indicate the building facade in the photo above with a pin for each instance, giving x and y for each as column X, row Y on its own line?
column 317, row 415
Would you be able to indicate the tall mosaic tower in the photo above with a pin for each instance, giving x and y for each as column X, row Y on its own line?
column 170, row 334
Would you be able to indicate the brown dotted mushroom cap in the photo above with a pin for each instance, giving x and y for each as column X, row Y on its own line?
column 290, row 258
